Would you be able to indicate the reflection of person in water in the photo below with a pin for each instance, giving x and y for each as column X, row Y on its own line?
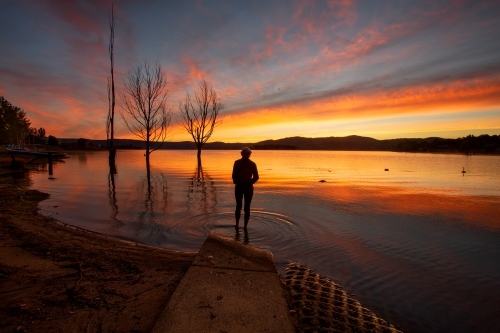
column 245, row 174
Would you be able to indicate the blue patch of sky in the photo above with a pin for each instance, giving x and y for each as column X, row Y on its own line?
column 25, row 38
column 180, row 29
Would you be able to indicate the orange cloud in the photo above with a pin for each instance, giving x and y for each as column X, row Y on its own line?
column 426, row 98
column 341, row 114
column 456, row 96
column 195, row 72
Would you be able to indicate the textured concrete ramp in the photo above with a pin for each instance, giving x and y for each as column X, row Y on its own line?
column 229, row 288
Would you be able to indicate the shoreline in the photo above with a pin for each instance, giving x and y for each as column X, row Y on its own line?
column 61, row 279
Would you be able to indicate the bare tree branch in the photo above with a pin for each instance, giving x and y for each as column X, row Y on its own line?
column 144, row 105
column 200, row 114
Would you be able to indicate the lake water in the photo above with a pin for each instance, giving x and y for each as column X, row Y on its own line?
column 419, row 244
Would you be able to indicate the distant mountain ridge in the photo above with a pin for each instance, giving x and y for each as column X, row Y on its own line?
column 469, row 144
column 352, row 142
column 483, row 142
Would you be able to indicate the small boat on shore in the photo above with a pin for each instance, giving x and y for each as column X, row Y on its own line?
column 38, row 153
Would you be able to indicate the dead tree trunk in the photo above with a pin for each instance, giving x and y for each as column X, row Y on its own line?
column 111, row 98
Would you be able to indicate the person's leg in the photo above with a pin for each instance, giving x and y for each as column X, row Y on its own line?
column 248, row 201
column 238, row 195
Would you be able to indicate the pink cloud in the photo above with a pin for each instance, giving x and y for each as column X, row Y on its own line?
column 195, row 72
column 186, row 77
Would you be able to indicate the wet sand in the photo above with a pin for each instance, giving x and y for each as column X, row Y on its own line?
column 57, row 279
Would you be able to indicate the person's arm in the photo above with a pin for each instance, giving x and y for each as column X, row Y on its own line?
column 234, row 173
column 255, row 177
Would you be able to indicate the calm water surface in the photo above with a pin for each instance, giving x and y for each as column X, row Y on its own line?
column 418, row 244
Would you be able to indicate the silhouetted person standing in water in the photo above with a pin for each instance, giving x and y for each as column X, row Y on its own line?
column 245, row 174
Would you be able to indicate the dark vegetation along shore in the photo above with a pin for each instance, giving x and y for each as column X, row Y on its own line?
column 57, row 279
column 471, row 144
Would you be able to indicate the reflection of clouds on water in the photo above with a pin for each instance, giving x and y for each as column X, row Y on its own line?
column 82, row 158
column 41, row 165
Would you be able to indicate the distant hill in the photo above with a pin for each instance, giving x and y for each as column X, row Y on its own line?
column 352, row 142
column 482, row 143
column 469, row 144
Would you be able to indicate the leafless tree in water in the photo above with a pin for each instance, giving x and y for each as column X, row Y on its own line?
column 144, row 106
column 110, row 123
column 200, row 114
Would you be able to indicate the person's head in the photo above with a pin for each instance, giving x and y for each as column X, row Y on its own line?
column 246, row 152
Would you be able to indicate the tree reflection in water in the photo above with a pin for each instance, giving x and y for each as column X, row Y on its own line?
column 202, row 194
column 113, row 202
column 154, row 190
column 152, row 194
column 41, row 165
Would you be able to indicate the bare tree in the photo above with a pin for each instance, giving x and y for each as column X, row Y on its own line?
column 144, row 107
column 200, row 115
column 110, row 123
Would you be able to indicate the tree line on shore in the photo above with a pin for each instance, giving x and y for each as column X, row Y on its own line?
column 15, row 127
column 470, row 144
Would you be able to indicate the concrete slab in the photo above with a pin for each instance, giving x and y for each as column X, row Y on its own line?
column 223, row 252
column 231, row 287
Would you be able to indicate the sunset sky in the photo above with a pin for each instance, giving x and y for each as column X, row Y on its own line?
column 383, row 69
